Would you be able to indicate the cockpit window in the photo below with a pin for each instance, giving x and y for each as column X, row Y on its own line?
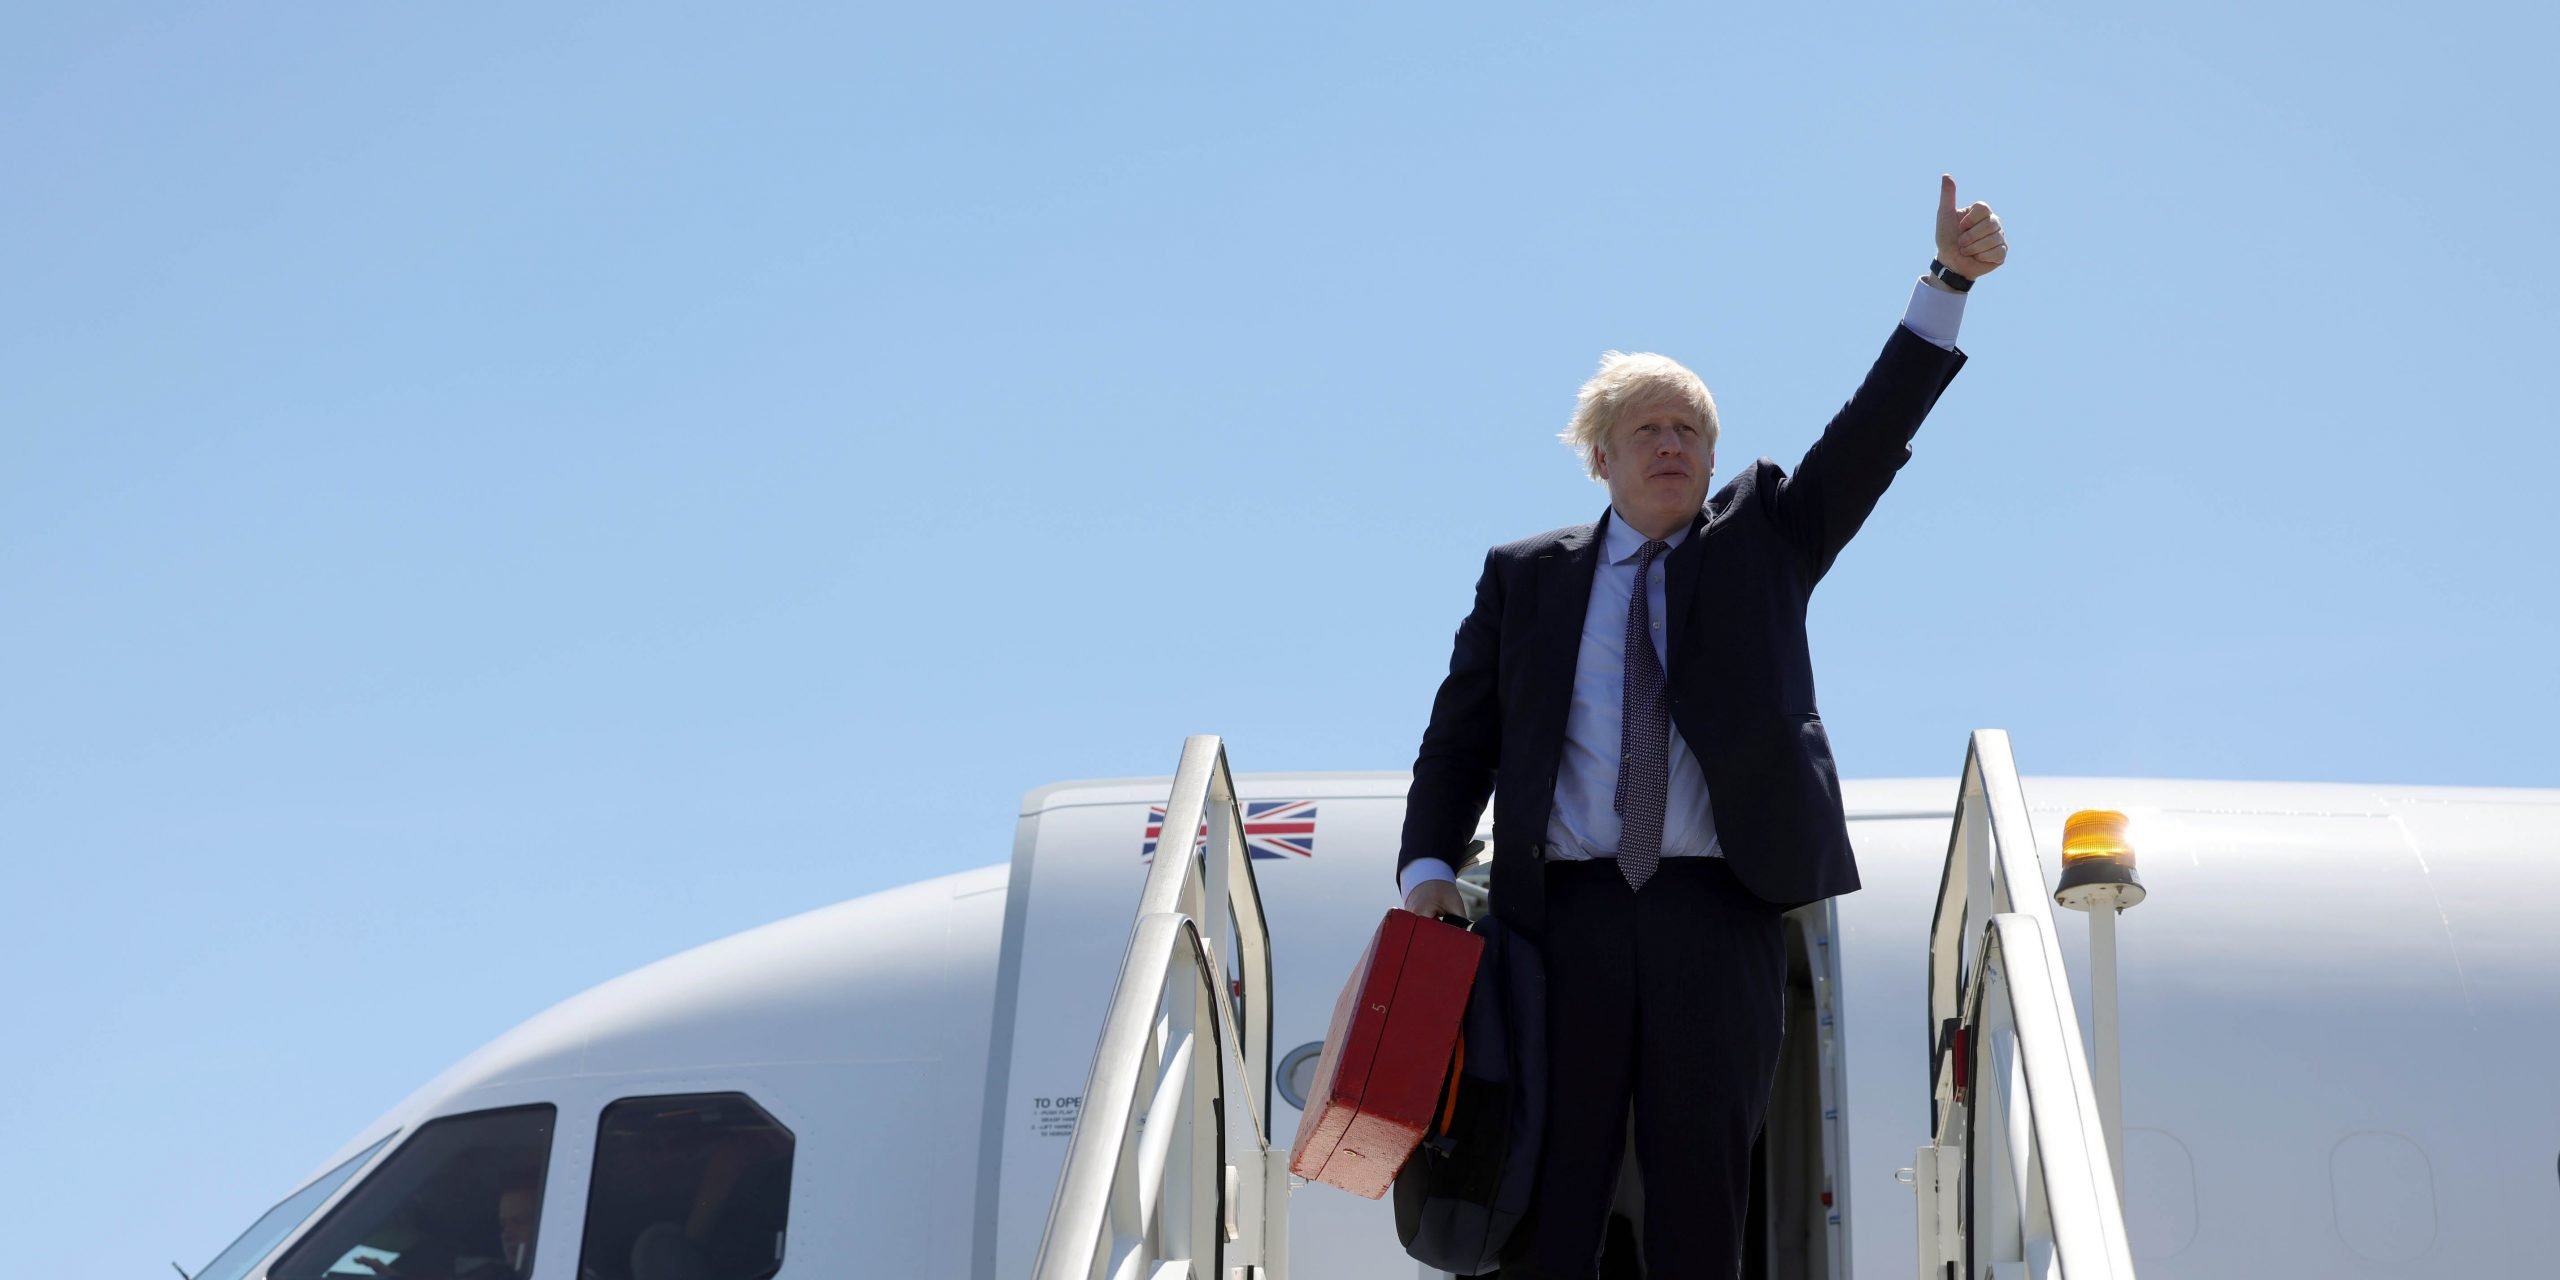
column 279, row 1222
column 461, row 1198
column 694, row 1185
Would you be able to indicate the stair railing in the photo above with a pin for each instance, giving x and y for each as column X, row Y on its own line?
column 1170, row 1172
column 2009, row 1078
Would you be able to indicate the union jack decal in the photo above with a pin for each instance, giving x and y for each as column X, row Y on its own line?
column 1272, row 829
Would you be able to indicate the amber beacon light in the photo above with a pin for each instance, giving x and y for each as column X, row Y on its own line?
column 2098, row 863
column 2098, row 878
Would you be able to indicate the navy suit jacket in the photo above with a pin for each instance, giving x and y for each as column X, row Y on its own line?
column 1740, row 673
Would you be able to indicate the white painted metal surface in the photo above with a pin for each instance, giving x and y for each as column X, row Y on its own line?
column 2106, row 1039
column 2340, row 1008
column 2011, row 1091
column 1177, row 1187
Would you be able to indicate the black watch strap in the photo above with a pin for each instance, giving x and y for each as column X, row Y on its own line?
column 1947, row 275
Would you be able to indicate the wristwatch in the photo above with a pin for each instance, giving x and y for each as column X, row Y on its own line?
column 1947, row 276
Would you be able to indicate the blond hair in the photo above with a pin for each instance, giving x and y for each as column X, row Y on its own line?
column 1633, row 381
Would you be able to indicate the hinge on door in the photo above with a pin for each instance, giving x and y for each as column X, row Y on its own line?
column 1952, row 1040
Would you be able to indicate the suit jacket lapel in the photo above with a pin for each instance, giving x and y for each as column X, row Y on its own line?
column 1680, row 588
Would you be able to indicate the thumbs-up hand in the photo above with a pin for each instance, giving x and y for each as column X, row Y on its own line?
column 1970, row 241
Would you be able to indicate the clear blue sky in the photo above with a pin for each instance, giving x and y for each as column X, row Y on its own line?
column 490, row 496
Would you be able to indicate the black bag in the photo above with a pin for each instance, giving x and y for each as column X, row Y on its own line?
column 1470, row 1183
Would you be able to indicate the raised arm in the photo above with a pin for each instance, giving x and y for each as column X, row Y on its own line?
column 1847, row 470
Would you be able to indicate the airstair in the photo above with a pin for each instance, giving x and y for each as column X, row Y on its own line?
column 1171, row 1172
column 2015, row 1183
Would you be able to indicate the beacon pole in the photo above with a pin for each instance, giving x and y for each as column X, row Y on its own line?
column 2098, row 877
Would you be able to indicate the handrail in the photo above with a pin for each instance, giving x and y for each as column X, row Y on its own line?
column 2042, row 1186
column 1218, row 878
column 2048, row 1176
column 1180, row 1182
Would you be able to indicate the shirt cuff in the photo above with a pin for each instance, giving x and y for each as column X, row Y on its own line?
column 1934, row 314
column 1421, row 870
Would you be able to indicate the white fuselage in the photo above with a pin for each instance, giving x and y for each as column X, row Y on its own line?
column 2340, row 1009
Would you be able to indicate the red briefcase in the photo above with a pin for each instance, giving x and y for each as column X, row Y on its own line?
column 1387, row 1054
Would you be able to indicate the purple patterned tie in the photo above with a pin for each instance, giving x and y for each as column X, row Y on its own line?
column 1644, row 737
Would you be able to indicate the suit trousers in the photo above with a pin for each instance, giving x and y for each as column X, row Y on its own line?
column 1672, row 999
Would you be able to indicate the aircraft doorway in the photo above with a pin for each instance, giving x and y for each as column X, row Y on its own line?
column 1797, row 1227
column 1797, row 1215
column 1796, row 1221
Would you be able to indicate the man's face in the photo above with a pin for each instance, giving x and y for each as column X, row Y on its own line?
column 1657, row 463
column 519, row 1212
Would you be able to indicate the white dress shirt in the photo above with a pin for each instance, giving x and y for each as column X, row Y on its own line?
column 1584, row 821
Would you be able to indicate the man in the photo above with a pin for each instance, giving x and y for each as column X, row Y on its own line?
column 451, row 1245
column 519, row 1218
column 1637, row 696
column 441, row 1253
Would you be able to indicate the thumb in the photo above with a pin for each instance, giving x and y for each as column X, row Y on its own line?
column 1946, row 193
